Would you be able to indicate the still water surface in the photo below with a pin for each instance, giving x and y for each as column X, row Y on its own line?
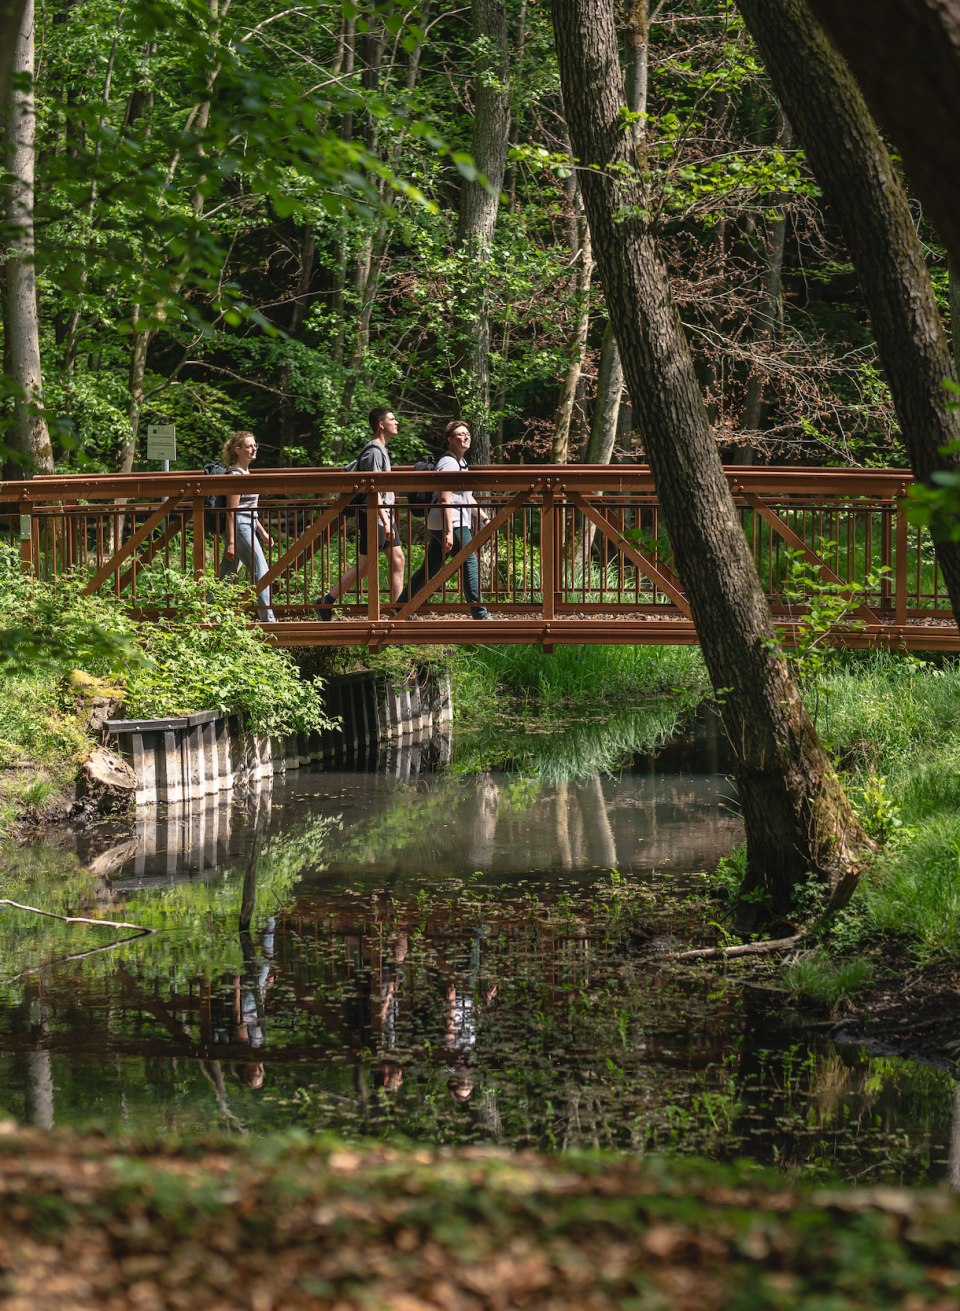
column 450, row 958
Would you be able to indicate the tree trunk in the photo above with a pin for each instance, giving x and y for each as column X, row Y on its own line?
column 770, row 317
column 606, row 409
column 298, row 312
column 798, row 820
column 479, row 206
column 29, row 435
column 606, row 412
column 906, row 57
column 584, row 255
column 824, row 104
column 11, row 21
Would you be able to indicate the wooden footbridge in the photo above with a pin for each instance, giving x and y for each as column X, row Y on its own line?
column 572, row 553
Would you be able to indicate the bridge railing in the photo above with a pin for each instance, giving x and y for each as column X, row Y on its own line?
column 563, row 542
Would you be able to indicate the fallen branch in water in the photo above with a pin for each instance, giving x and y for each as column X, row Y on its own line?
column 75, row 919
column 764, row 948
column 77, row 955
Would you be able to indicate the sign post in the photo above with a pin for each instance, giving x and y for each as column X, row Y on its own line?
column 162, row 443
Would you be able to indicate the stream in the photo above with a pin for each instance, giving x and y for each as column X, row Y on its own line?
column 453, row 957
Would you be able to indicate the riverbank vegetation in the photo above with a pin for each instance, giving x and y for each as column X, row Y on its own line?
column 61, row 648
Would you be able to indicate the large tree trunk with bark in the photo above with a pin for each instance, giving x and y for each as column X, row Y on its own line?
column 30, row 437
column 11, row 18
column 905, row 54
column 797, row 818
column 824, row 104
column 479, row 206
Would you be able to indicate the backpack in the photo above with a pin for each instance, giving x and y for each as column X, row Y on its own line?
column 419, row 501
column 351, row 467
column 214, row 520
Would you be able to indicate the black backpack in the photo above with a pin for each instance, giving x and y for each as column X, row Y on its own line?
column 214, row 520
column 419, row 501
column 351, row 467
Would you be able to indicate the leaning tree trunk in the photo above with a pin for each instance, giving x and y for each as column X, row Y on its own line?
column 905, row 54
column 477, row 218
column 824, row 104
column 21, row 323
column 798, row 820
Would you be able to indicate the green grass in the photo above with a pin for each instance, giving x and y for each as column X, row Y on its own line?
column 583, row 676
column 895, row 724
column 824, row 982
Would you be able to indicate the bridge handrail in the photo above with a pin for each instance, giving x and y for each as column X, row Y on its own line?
column 286, row 484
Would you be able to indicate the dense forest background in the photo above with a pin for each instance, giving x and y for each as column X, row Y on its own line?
column 250, row 215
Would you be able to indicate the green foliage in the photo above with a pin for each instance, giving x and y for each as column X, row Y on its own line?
column 209, row 657
column 825, row 982
column 895, row 723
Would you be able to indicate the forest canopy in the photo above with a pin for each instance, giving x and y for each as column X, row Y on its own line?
column 254, row 215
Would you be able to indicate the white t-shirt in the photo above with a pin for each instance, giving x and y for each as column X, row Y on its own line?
column 462, row 517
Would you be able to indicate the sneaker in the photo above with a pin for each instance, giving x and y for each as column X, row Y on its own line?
column 480, row 612
column 325, row 609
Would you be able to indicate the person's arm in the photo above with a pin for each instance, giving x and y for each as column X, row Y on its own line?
column 233, row 504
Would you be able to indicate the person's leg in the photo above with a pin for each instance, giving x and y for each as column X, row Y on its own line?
column 255, row 563
column 395, row 562
column 432, row 560
column 348, row 578
column 469, row 573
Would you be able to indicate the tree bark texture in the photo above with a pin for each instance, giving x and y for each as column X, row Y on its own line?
column 824, row 104
column 11, row 20
column 480, row 204
column 905, row 55
column 797, row 817
column 583, row 254
column 30, row 437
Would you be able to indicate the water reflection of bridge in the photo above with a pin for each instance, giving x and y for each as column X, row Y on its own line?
column 572, row 553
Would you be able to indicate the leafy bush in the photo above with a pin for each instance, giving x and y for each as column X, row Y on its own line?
column 210, row 657
column 207, row 656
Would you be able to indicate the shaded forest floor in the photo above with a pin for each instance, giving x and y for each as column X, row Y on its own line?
column 290, row 1222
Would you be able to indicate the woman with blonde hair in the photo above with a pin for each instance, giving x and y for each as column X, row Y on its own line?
column 244, row 532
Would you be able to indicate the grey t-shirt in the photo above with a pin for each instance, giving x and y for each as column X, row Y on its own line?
column 375, row 458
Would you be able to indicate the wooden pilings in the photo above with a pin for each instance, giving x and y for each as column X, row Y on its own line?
column 194, row 756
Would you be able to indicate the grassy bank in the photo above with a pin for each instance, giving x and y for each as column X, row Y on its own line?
column 206, row 656
column 894, row 723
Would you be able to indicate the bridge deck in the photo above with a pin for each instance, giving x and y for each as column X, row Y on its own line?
column 573, row 554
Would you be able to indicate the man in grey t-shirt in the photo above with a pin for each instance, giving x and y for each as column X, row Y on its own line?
column 374, row 458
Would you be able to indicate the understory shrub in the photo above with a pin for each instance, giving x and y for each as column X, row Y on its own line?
column 205, row 655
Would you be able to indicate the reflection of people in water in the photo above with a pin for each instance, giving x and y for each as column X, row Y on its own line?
column 460, row 1038
column 390, row 1071
column 249, row 1025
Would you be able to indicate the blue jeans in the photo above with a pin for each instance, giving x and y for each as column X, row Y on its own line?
column 249, row 553
column 433, row 562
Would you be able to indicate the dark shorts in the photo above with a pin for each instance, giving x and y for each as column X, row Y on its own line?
column 357, row 523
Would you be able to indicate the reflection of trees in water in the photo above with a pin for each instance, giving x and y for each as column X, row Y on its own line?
column 558, row 750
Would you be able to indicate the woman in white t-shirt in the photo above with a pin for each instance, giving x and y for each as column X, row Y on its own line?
column 245, row 532
column 450, row 523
